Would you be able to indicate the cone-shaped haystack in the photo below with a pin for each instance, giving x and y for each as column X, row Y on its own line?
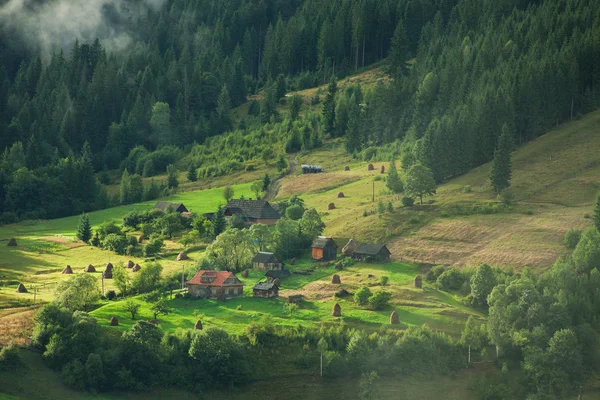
column 331, row 206
column 114, row 321
column 109, row 266
column 21, row 288
column 136, row 268
column 12, row 242
column 130, row 264
column 245, row 273
column 198, row 326
column 418, row 282
column 140, row 239
column 394, row 318
column 67, row 270
column 182, row 256
column 349, row 248
column 335, row 279
column 346, row 168
column 107, row 274
column 89, row 268
column 337, row 310
column 382, row 170
column 371, row 167
column 341, row 195
column 277, row 282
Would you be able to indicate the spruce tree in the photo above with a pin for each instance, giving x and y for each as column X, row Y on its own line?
column 295, row 107
column 192, row 174
column 266, row 182
column 84, row 228
column 393, row 181
column 125, row 188
column 597, row 213
column 172, row 180
column 224, row 110
column 398, row 51
column 501, row 166
column 218, row 222
column 329, row 108
column 353, row 139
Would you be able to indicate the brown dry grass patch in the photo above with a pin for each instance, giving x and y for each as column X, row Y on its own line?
column 64, row 241
column 311, row 183
column 16, row 325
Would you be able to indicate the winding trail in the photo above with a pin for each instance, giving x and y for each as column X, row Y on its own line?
column 274, row 186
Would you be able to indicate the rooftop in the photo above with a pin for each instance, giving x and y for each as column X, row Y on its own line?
column 252, row 209
column 220, row 278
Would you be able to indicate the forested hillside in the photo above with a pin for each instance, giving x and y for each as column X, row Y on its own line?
column 462, row 72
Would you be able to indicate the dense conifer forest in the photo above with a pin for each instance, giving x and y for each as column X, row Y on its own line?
column 462, row 73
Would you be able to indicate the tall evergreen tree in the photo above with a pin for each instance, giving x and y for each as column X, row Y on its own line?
column 398, row 51
column 329, row 108
column 501, row 167
column 224, row 110
column 84, row 228
column 192, row 173
column 218, row 222
column 172, row 179
column 125, row 188
column 393, row 181
column 295, row 107
column 353, row 136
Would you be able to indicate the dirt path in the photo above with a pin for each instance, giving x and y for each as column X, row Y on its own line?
column 274, row 186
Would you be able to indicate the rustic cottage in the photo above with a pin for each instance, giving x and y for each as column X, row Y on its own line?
column 265, row 289
column 324, row 249
column 252, row 211
column 366, row 251
column 266, row 261
column 164, row 206
column 215, row 285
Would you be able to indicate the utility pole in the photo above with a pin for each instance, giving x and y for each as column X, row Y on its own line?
column 373, row 198
column 103, row 284
column 34, row 294
column 182, row 276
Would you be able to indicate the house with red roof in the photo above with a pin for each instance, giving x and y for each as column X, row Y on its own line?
column 215, row 285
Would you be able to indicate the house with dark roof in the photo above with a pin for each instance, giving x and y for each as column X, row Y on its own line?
column 265, row 289
column 165, row 205
column 265, row 261
column 324, row 249
column 215, row 285
column 277, row 274
column 252, row 211
column 366, row 251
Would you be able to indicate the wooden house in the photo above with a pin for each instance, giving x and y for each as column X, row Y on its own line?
column 265, row 289
column 164, row 206
column 366, row 251
column 265, row 261
column 215, row 285
column 252, row 211
column 324, row 249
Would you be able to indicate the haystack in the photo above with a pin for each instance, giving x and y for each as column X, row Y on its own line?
column 339, row 265
column 21, row 288
column 182, row 256
column 140, row 239
column 337, row 310
column 114, row 321
column 153, row 322
column 107, row 274
column 341, row 195
column 382, row 170
column 12, row 242
column 136, row 268
column 245, row 273
column 335, row 279
column 418, row 282
column 346, row 168
column 394, row 318
column 331, row 206
column 109, row 266
column 198, row 326
column 277, row 282
column 67, row 270
column 371, row 167
column 349, row 248
column 293, row 261
column 130, row 264
column 89, row 268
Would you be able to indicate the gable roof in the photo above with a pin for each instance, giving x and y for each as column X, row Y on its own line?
column 220, row 278
column 370, row 249
column 259, row 209
column 264, row 257
column 164, row 206
column 265, row 286
column 278, row 273
column 322, row 241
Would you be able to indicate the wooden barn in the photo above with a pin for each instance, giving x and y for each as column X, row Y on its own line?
column 311, row 169
column 215, row 285
column 366, row 251
column 324, row 249
column 265, row 289
column 164, row 206
column 277, row 274
column 265, row 261
column 252, row 211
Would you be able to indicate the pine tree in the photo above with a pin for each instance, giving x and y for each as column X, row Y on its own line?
column 329, row 108
column 84, row 228
column 125, row 188
column 501, row 167
column 218, row 222
column 597, row 213
column 192, row 174
column 353, row 138
column 172, row 180
column 266, row 182
column 295, row 107
column 224, row 110
column 398, row 51
column 393, row 181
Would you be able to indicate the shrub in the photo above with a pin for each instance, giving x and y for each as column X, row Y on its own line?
column 111, row 295
column 572, row 238
column 347, row 262
column 153, row 248
column 10, row 358
column 451, row 279
column 384, row 280
column 294, row 212
column 408, row 201
column 434, row 273
column 116, row 243
column 362, row 295
column 378, row 178
column 380, row 300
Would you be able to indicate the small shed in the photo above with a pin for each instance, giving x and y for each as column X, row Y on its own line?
column 311, row 169
column 67, row 271
column 366, row 251
column 265, row 289
column 265, row 261
column 324, row 249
